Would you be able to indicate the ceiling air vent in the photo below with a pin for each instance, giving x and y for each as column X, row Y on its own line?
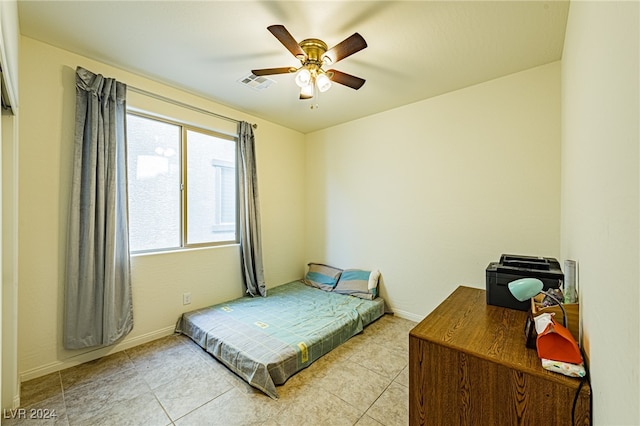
column 256, row 82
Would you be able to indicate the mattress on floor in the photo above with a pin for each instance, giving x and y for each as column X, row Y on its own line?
column 265, row 340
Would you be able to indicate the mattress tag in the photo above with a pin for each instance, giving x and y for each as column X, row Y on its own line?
column 304, row 352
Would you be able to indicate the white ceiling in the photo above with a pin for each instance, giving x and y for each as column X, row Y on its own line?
column 416, row 49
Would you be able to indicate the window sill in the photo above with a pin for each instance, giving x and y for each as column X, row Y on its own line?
column 182, row 250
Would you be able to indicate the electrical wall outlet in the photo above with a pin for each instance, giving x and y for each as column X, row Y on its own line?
column 186, row 298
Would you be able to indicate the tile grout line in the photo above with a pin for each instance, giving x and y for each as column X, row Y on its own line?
column 139, row 373
column 64, row 400
column 153, row 392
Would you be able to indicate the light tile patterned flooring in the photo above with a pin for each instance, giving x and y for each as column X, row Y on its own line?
column 172, row 381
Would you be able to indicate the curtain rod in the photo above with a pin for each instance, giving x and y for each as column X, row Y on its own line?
column 184, row 105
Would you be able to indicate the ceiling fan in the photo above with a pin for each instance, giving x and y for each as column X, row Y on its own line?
column 313, row 55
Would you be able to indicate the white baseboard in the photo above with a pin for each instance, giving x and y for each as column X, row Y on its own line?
column 16, row 402
column 407, row 315
column 93, row 354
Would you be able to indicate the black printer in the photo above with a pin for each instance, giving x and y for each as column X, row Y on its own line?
column 512, row 267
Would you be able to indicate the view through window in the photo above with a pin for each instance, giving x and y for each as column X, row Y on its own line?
column 182, row 185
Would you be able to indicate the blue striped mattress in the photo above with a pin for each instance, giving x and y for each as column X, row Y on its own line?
column 266, row 340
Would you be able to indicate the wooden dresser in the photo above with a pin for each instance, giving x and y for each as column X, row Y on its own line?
column 468, row 365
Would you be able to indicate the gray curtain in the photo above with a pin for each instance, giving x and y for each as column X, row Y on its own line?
column 250, row 245
column 98, row 303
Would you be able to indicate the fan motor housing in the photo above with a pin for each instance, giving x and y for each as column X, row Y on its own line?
column 315, row 50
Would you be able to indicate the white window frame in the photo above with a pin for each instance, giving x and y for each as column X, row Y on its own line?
column 184, row 187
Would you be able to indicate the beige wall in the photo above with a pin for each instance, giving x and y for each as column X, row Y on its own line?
column 47, row 90
column 431, row 192
column 600, row 202
column 9, row 46
column 9, row 250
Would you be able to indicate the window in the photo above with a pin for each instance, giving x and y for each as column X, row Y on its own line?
column 182, row 185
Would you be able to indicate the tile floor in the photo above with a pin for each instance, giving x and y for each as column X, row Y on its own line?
column 172, row 381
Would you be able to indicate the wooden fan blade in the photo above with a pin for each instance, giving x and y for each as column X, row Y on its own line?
column 281, row 33
column 271, row 71
column 346, row 47
column 345, row 79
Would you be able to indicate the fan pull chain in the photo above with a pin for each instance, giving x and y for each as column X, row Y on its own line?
column 315, row 104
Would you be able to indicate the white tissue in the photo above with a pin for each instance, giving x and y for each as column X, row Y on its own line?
column 542, row 321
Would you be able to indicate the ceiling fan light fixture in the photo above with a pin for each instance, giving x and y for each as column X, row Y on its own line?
column 313, row 54
column 323, row 82
column 307, row 91
column 303, row 77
